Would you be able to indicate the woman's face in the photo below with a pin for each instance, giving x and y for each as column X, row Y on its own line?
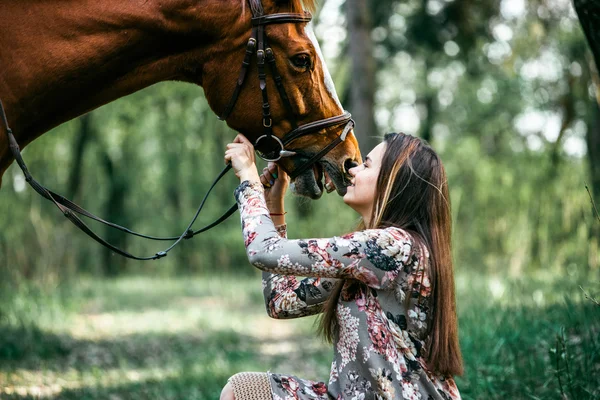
column 360, row 194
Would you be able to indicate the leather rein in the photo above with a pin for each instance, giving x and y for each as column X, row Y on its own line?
column 263, row 54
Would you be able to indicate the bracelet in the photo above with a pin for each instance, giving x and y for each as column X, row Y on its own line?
column 280, row 214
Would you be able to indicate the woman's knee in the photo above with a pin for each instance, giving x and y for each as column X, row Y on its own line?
column 253, row 384
column 227, row 392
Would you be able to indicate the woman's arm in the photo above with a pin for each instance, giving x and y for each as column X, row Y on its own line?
column 376, row 257
column 287, row 297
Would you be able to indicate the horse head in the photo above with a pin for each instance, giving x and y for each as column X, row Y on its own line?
column 306, row 83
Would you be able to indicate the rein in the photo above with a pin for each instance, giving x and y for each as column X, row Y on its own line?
column 264, row 53
column 70, row 209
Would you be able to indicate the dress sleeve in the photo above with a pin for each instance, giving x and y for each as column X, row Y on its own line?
column 288, row 297
column 376, row 257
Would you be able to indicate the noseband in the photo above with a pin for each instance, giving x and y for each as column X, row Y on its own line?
column 264, row 54
column 70, row 209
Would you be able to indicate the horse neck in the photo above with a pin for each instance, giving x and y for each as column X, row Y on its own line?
column 61, row 59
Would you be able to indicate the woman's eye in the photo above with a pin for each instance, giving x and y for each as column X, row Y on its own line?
column 301, row 61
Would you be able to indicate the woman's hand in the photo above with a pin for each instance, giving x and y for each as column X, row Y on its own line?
column 276, row 183
column 240, row 154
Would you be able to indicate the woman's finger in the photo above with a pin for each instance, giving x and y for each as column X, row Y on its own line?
column 227, row 158
column 265, row 182
column 237, row 146
column 273, row 169
column 281, row 174
column 268, row 175
column 242, row 139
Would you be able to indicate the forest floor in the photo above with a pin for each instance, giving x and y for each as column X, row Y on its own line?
column 167, row 338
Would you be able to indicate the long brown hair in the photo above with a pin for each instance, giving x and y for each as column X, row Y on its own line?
column 412, row 194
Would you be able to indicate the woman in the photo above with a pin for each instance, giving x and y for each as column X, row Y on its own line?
column 386, row 291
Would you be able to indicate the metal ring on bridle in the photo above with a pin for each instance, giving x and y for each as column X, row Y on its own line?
column 263, row 156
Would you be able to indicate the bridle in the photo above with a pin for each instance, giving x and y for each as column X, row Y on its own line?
column 264, row 54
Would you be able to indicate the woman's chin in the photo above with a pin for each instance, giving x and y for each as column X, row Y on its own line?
column 348, row 199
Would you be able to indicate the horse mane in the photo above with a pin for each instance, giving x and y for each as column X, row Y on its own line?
column 296, row 6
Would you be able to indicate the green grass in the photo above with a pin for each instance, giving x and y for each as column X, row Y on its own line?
column 164, row 338
column 511, row 341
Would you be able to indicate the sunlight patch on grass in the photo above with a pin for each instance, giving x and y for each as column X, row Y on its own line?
column 48, row 383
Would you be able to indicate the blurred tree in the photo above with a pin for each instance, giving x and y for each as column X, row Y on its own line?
column 593, row 145
column 589, row 16
column 428, row 31
column 116, row 166
column 362, row 87
column 84, row 137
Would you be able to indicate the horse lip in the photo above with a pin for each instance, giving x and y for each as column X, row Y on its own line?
column 337, row 177
column 311, row 186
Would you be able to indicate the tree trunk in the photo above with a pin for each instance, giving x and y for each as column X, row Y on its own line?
column 593, row 145
column 427, row 130
column 113, row 264
column 83, row 138
column 362, row 86
column 588, row 12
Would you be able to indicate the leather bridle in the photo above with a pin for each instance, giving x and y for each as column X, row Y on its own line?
column 264, row 53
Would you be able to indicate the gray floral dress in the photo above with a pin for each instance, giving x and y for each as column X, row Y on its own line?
column 378, row 351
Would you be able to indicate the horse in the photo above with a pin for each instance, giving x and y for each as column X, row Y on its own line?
column 62, row 59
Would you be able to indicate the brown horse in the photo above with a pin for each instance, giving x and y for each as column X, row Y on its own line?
column 61, row 59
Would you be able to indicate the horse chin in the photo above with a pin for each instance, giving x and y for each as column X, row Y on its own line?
column 309, row 184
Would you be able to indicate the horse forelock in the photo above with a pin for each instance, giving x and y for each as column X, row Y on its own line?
column 296, row 6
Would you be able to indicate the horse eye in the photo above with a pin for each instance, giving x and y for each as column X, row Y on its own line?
column 301, row 61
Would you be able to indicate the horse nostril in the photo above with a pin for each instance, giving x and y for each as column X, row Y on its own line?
column 349, row 163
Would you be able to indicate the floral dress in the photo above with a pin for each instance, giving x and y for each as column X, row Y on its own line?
column 379, row 346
